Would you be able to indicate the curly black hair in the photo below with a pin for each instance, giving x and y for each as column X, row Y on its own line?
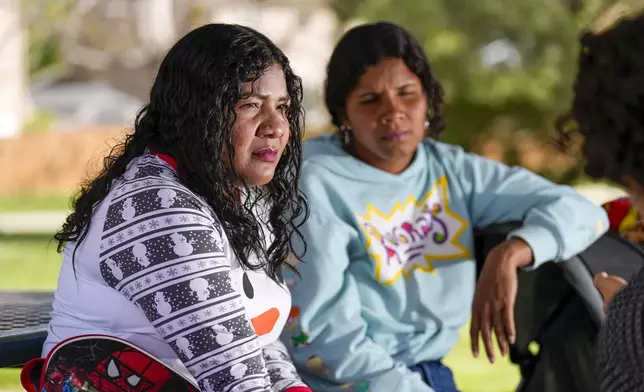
column 366, row 45
column 189, row 117
column 608, row 105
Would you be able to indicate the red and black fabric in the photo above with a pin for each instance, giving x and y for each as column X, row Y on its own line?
column 101, row 363
column 622, row 214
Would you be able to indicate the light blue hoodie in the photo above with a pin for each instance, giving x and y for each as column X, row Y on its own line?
column 388, row 278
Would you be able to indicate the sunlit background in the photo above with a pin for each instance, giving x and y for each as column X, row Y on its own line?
column 73, row 73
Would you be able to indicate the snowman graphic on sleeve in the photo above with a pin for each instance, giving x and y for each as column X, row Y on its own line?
column 128, row 210
column 131, row 174
column 238, row 370
column 201, row 288
column 273, row 354
column 185, row 347
column 286, row 373
column 162, row 305
column 166, row 197
column 180, row 245
column 114, row 269
column 223, row 336
column 141, row 255
column 215, row 239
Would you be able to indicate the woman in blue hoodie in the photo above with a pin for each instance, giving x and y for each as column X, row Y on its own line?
column 389, row 277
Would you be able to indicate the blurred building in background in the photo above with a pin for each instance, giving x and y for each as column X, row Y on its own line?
column 107, row 52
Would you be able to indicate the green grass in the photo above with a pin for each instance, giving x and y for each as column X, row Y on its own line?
column 23, row 203
column 27, row 263
column 9, row 380
column 478, row 374
column 31, row 263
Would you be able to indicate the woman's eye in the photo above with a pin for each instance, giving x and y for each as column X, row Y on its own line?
column 249, row 105
column 368, row 101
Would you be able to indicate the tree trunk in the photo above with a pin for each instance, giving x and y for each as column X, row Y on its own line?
column 13, row 69
column 156, row 23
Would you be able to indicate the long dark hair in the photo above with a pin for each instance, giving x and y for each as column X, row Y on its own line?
column 189, row 117
column 364, row 46
column 608, row 105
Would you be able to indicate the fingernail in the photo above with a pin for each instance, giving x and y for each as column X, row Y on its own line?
column 512, row 339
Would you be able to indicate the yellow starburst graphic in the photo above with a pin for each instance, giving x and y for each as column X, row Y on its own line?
column 413, row 234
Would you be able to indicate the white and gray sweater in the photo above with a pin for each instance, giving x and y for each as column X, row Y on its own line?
column 156, row 269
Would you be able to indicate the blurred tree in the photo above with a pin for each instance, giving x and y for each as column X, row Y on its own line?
column 45, row 20
column 96, row 33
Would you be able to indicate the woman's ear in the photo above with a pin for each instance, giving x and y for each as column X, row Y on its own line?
column 344, row 121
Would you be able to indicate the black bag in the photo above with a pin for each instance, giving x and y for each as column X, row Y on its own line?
column 558, row 308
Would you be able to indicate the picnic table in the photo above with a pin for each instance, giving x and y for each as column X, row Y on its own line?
column 23, row 325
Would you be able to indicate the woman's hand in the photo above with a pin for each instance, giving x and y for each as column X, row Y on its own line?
column 608, row 286
column 496, row 291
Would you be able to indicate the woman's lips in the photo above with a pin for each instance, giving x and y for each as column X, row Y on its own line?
column 266, row 154
column 396, row 136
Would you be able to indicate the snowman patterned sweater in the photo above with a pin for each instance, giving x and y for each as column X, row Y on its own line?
column 156, row 269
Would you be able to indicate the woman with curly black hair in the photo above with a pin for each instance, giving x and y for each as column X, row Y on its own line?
column 177, row 245
column 389, row 277
column 608, row 111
